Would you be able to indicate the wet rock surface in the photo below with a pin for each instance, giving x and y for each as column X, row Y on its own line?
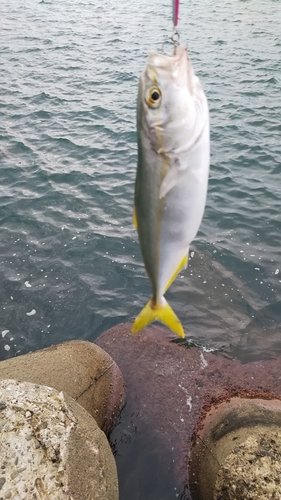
column 51, row 448
column 169, row 389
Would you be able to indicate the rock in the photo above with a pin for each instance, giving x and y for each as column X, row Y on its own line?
column 169, row 389
column 79, row 368
column 237, row 450
column 251, row 471
column 51, row 448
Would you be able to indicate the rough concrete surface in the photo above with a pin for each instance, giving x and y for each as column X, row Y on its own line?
column 222, row 434
column 168, row 389
column 79, row 368
column 253, row 470
column 51, row 448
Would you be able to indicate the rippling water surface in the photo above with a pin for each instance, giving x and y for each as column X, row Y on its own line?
column 70, row 261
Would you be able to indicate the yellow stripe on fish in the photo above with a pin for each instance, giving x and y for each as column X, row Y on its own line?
column 135, row 220
column 181, row 266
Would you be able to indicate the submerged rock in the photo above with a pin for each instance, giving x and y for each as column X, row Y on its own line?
column 51, row 448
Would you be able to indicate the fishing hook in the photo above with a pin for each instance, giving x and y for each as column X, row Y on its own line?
column 175, row 39
column 175, row 36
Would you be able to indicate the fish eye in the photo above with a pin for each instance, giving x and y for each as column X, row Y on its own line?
column 153, row 97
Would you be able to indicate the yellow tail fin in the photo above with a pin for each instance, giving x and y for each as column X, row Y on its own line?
column 161, row 312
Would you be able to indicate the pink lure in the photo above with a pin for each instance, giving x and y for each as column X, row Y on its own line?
column 176, row 4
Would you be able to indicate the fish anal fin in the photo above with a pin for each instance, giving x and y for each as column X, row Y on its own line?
column 182, row 265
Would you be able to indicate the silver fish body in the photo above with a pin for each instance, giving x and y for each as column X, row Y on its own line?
column 172, row 174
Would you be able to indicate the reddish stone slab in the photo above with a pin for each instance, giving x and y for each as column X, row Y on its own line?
column 169, row 388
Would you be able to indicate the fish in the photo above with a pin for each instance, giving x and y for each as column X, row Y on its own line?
column 173, row 136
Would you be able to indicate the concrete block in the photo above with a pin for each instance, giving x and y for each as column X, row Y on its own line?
column 81, row 369
column 51, row 448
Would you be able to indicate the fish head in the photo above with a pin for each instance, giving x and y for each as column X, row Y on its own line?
column 168, row 91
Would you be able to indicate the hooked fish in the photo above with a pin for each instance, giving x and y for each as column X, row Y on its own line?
column 172, row 175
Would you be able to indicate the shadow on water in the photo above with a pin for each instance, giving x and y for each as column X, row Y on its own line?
column 260, row 339
column 142, row 470
column 223, row 312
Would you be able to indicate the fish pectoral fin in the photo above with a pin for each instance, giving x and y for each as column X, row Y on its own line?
column 135, row 221
column 171, row 178
column 182, row 265
column 158, row 312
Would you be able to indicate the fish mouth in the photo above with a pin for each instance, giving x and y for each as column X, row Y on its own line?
column 176, row 67
column 168, row 62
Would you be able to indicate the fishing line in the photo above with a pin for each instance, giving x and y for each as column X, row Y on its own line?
column 175, row 16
